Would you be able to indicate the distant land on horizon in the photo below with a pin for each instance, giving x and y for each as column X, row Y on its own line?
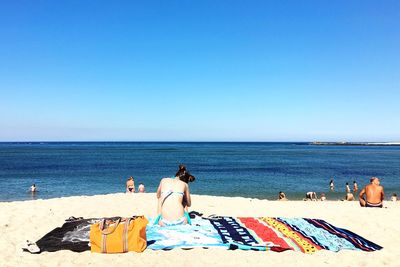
column 356, row 143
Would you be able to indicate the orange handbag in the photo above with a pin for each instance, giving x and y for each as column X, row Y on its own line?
column 119, row 236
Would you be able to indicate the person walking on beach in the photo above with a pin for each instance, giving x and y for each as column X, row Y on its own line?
column 355, row 187
column 130, row 185
column 372, row 195
column 347, row 188
column 332, row 185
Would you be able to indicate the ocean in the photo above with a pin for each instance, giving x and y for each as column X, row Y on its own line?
column 256, row 170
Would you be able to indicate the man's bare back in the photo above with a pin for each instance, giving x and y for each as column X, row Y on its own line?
column 374, row 194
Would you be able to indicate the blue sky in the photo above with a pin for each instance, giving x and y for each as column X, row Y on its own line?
column 199, row 70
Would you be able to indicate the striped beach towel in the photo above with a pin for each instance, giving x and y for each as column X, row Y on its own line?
column 281, row 234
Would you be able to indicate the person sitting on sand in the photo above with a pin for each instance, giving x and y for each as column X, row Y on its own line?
column 130, row 185
column 282, row 196
column 349, row 196
column 173, row 196
column 311, row 196
column 373, row 193
column 141, row 188
column 323, row 197
column 33, row 188
column 393, row 197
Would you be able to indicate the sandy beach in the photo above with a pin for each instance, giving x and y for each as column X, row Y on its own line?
column 30, row 220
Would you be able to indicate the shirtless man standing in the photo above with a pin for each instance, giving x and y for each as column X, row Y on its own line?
column 374, row 194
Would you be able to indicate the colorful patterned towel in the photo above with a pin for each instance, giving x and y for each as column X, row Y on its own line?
column 280, row 234
column 201, row 233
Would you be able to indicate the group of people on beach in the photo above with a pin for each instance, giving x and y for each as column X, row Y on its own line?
column 174, row 196
column 372, row 195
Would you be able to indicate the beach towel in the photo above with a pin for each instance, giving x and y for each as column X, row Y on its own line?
column 72, row 235
column 200, row 233
column 280, row 234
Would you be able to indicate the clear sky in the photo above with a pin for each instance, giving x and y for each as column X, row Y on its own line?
column 199, row 70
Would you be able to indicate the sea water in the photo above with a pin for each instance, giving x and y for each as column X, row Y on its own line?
column 257, row 170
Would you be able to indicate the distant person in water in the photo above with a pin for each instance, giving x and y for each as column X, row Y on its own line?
column 141, row 188
column 331, row 185
column 323, row 197
column 33, row 188
column 347, row 188
column 355, row 187
column 130, row 185
column 372, row 195
column 393, row 197
column 282, row 196
column 173, row 199
column 311, row 196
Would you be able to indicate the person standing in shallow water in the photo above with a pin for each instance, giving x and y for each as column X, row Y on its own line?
column 130, row 185
column 347, row 188
column 33, row 189
column 141, row 188
column 331, row 185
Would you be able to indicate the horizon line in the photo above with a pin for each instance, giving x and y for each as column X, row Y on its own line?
column 192, row 141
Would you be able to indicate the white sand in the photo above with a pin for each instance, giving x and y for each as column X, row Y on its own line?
column 31, row 220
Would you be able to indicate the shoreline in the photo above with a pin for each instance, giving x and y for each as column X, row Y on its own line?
column 30, row 220
column 267, row 198
column 258, row 198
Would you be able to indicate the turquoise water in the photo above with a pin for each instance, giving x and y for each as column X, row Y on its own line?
column 257, row 170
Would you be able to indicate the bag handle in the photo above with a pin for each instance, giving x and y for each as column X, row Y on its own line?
column 108, row 231
column 125, row 234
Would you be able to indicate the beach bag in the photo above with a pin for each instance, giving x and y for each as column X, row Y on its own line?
column 119, row 235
